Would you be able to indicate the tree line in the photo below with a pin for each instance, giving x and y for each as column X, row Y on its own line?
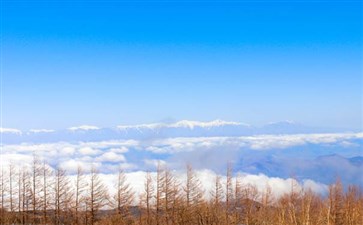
column 40, row 194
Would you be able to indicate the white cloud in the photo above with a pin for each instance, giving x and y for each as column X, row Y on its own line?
column 111, row 157
column 314, row 186
column 67, row 151
column 153, row 163
column 41, row 131
column 87, row 151
column 84, row 127
column 10, row 130
column 213, row 151
column 258, row 142
column 14, row 158
column 121, row 149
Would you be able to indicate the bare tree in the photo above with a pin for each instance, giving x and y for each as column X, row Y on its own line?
column 353, row 207
column 159, row 190
column 169, row 193
column 3, row 188
column 9, row 186
column 26, row 194
column 263, row 214
column 124, row 195
column 19, row 184
column 193, row 193
column 229, row 192
column 237, row 200
column 193, row 188
column 335, row 212
column 35, row 187
column 97, row 195
column 146, row 198
column 80, row 188
column 217, row 192
column 217, row 199
column 11, row 191
column 46, row 173
column 62, row 196
column 249, row 198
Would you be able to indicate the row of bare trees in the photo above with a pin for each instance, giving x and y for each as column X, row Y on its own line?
column 39, row 194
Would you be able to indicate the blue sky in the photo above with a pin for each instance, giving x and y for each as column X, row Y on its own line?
column 121, row 62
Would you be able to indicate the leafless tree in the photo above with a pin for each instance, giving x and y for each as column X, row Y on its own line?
column 193, row 188
column 36, row 187
column 229, row 192
column 3, row 188
column 147, row 196
column 97, row 195
column 62, row 196
column 46, row 173
column 80, row 188
column 124, row 195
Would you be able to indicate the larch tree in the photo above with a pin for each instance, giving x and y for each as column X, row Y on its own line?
column 97, row 194
column 36, row 185
column 193, row 188
column 62, row 196
column 217, row 198
column 169, row 195
column 124, row 196
column 147, row 196
column 3, row 190
column 194, row 197
column 26, row 194
column 159, row 192
column 80, row 188
column 335, row 212
column 229, row 192
column 46, row 173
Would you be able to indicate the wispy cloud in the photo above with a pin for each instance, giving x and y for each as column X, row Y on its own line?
column 84, row 127
column 10, row 130
column 41, row 131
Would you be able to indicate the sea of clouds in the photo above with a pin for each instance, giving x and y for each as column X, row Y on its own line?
column 274, row 159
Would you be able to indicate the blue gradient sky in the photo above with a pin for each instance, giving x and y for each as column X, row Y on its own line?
column 121, row 62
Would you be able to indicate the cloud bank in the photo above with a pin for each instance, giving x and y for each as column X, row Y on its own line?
column 318, row 157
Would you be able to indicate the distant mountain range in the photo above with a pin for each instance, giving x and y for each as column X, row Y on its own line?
column 184, row 128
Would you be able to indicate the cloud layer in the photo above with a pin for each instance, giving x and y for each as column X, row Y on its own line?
column 318, row 157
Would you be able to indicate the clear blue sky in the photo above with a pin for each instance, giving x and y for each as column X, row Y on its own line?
column 122, row 62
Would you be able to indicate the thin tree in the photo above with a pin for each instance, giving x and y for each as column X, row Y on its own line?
column 217, row 198
column 229, row 192
column 35, row 187
column 193, row 193
column 97, row 194
column 26, row 194
column 193, row 188
column 169, row 194
column 147, row 196
column 124, row 195
column 46, row 173
column 159, row 192
column 80, row 188
column 62, row 195
column 3, row 188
